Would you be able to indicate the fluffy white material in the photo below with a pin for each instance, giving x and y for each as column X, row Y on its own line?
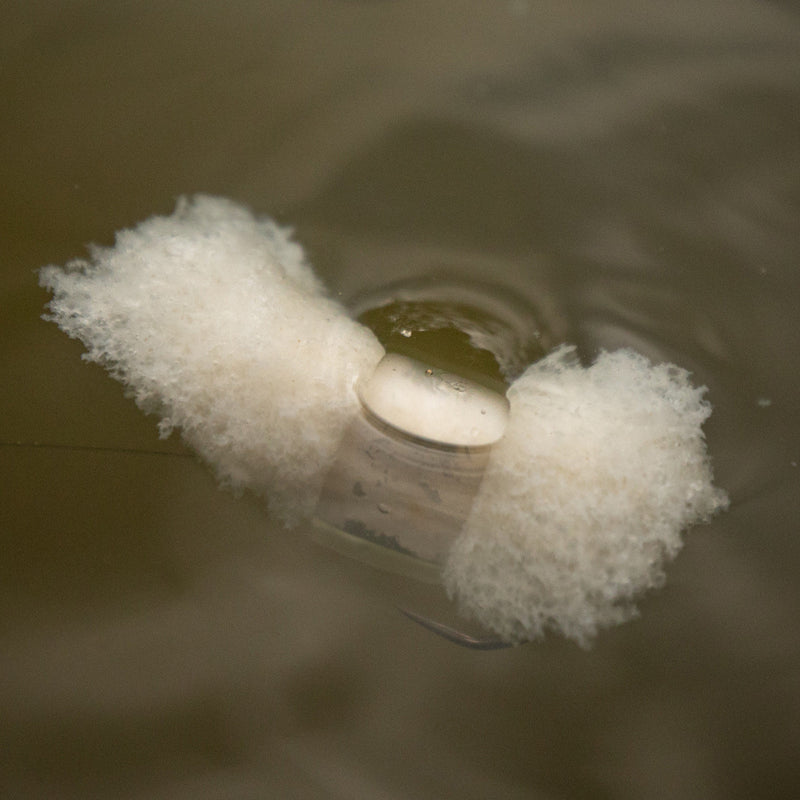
column 585, row 497
column 213, row 321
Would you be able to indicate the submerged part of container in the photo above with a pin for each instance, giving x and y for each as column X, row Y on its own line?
column 409, row 465
column 396, row 501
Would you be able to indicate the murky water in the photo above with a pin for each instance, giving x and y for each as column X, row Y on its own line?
column 632, row 170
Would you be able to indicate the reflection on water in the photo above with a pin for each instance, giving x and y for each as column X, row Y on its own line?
column 630, row 171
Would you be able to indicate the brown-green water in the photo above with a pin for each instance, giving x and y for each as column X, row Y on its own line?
column 632, row 170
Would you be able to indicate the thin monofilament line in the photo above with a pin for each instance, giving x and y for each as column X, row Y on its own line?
column 96, row 448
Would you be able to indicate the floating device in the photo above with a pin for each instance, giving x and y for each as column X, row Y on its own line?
column 427, row 430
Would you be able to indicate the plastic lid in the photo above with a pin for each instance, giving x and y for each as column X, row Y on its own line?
column 430, row 403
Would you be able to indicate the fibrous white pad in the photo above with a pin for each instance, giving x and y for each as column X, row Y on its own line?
column 214, row 321
column 585, row 497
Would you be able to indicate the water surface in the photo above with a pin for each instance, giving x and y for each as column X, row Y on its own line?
column 631, row 170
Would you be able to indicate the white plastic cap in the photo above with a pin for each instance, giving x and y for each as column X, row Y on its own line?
column 433, row 404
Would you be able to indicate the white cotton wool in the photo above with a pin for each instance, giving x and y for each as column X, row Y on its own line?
column 585, row 497
column 214, row 322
